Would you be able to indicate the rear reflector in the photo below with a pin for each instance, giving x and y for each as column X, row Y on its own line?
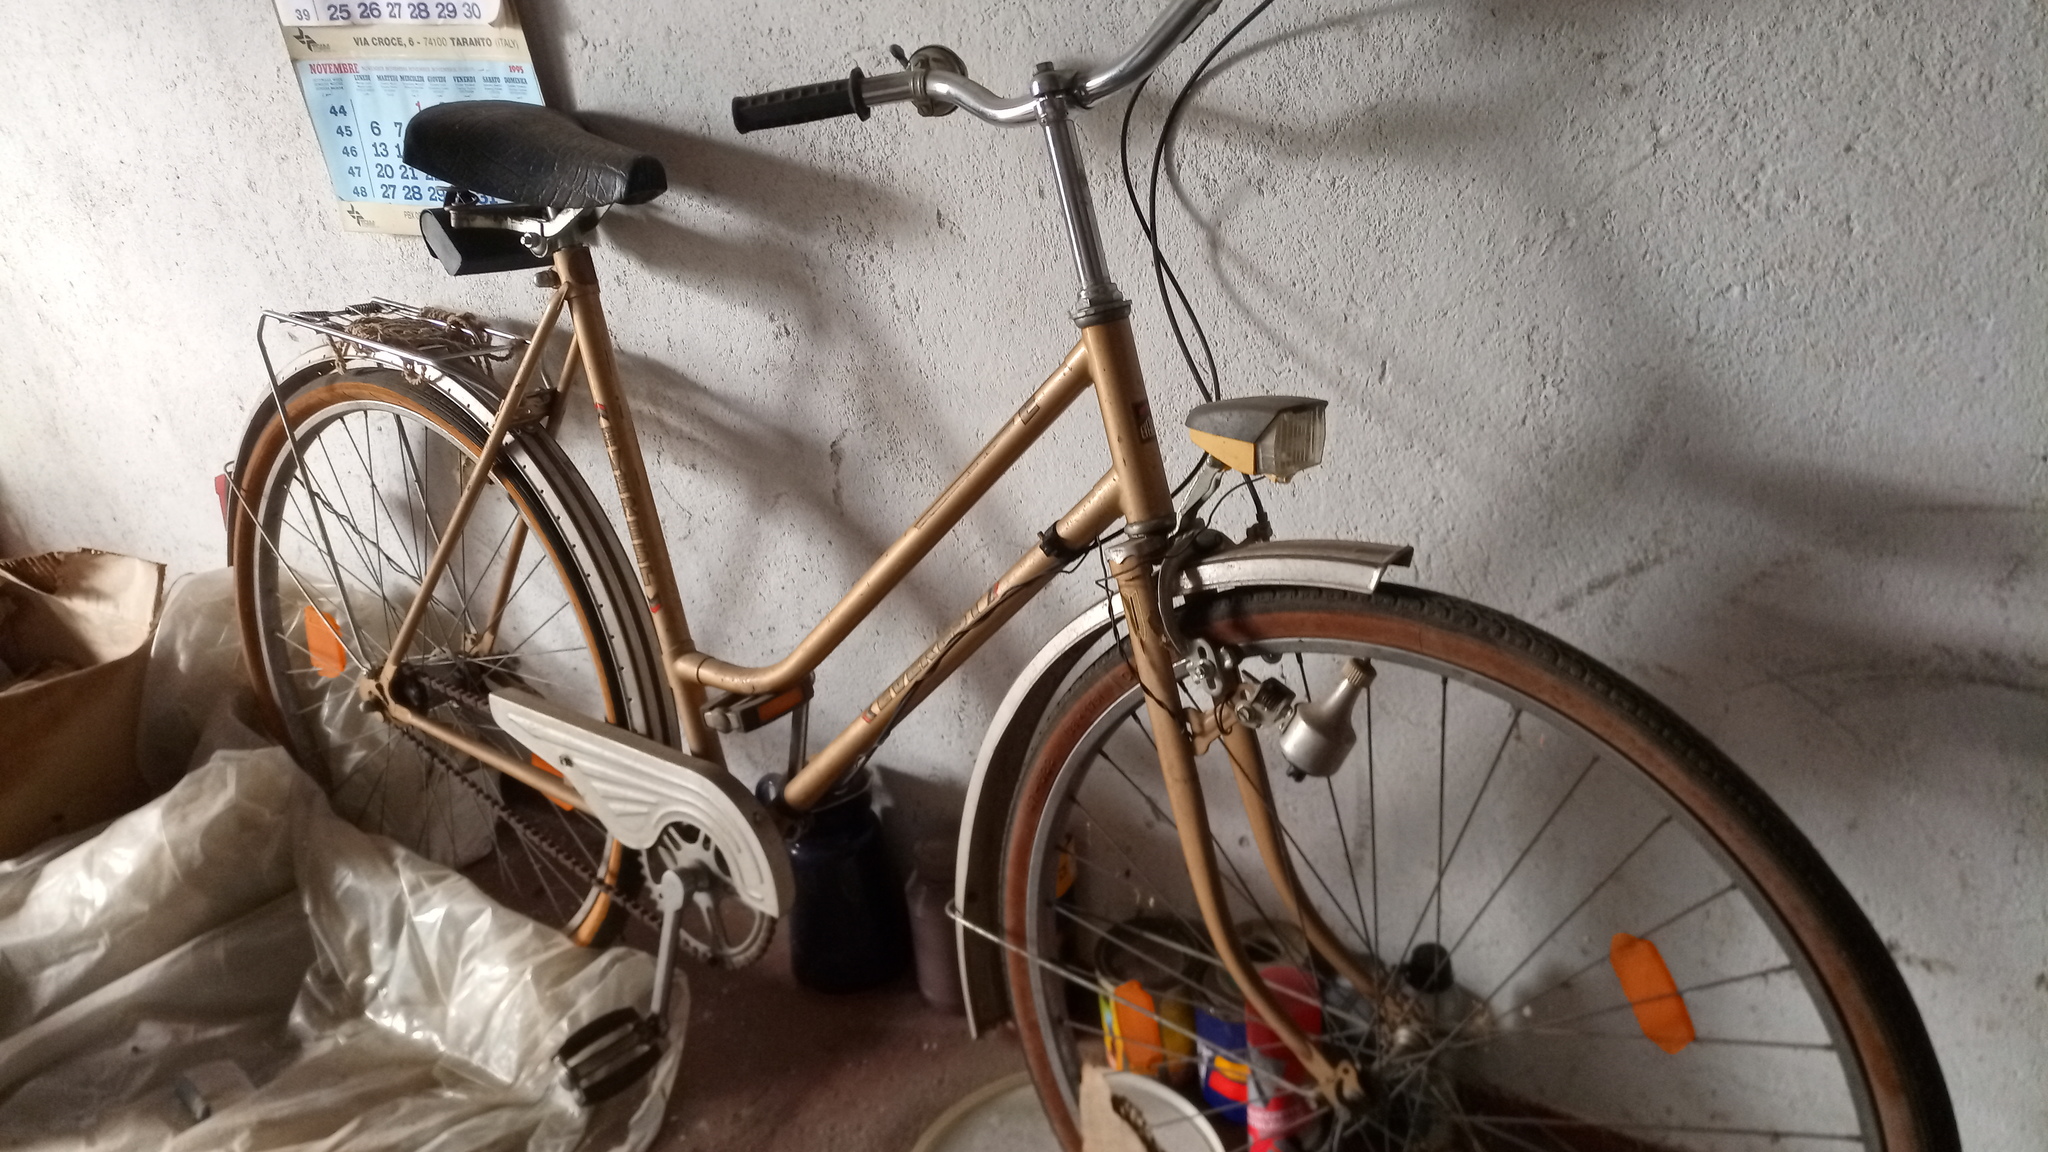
column 1660, row 1010
column 323, row 643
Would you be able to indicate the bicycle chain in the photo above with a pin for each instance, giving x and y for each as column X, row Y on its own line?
column 520, row 825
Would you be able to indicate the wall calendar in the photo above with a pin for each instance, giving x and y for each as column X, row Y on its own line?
column 367, row 66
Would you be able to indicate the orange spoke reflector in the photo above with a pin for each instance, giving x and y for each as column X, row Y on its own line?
column 551, row 770
column 1660, row 1010
column 323, row 641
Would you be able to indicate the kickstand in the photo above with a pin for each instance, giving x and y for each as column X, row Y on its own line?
column 605, row 1056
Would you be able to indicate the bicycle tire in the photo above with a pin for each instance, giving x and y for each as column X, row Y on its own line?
column 587, row 638
column 1889, row 1085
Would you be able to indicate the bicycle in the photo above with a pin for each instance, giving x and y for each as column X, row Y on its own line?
column 394, row 503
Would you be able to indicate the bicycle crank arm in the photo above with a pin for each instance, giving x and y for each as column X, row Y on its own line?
column 639, row 788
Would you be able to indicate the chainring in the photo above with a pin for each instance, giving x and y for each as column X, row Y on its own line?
column 726, row 932
column 715, row 926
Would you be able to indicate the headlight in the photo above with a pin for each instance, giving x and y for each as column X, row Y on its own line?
column 1273, row 436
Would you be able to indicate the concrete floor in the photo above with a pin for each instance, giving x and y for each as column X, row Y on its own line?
column 770, row 1066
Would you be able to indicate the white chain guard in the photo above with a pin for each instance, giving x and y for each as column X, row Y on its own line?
column 637, row 787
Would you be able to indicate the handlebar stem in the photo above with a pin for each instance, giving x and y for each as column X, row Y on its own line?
column 1053, row 94
column 1101, row 300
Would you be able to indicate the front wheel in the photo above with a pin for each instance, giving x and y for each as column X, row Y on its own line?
column 1599, row 933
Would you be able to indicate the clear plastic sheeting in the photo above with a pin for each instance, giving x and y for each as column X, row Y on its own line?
column 196, row 702
column 234, row 949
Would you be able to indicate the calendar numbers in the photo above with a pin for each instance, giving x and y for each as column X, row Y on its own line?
column 361, row 108
column 368, row 67
column 317, row 13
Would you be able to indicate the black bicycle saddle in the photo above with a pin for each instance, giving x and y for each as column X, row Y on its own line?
column 528, row 154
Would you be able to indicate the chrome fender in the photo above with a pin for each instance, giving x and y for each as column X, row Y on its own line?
column 1346, row 565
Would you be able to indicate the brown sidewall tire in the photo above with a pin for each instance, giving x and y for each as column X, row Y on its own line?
column 602, row 919
column 1873, row 1010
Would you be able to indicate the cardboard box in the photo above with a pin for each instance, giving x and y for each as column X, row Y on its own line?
column 74, row 645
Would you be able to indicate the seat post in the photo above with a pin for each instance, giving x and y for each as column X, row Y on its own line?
column 636, row 496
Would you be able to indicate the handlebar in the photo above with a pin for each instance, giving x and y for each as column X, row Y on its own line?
column 934, row 87
column 1174, row 26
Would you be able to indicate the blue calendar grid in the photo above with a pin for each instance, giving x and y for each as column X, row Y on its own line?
column 361, row 107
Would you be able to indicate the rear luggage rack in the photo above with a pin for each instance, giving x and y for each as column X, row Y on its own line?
column 408, row 337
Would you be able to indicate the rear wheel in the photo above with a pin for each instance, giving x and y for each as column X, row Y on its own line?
column 330, row 541
column 1513, row 823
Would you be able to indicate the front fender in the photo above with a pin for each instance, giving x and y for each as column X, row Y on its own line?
column 1347, row 565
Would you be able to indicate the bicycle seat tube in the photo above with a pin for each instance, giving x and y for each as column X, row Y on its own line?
column 636, row 496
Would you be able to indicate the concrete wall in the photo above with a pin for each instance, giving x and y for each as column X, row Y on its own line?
column 1707, row 335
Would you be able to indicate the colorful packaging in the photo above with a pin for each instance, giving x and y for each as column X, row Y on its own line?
column 1219, row 1049
column 1273, row 1111
column 1142, row 971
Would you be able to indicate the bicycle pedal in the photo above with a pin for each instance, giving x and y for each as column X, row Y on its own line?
column 605, row 1056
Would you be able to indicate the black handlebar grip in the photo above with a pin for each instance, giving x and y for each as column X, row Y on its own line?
column 800, row 105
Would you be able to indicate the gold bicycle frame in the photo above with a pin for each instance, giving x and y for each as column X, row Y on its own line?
column 1134, row 489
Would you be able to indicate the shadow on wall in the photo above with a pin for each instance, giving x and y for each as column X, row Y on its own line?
column 764, row 266
column 1640, row 427
column 1818, row 554
column 1811, row 623
column 769, row 265
column 1327, row 345
column 12, row 536
column 546, row 33
column 926, row 809
column 769, row 468
column 772, row 472
column 1583, row 418
column 796, row 204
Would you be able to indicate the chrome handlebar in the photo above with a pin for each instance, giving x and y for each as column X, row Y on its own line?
column 940, row 87
column 934, row 80
column 1166, row 34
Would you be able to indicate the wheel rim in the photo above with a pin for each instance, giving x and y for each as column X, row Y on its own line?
column 383, row 473
column 1804, row 1090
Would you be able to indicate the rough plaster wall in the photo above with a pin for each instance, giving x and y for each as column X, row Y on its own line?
column 1707, row 335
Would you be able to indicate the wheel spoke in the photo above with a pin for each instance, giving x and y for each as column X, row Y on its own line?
column 361, row 508
column 1555, row 840
column 1580, row 906
column 1524, row 854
